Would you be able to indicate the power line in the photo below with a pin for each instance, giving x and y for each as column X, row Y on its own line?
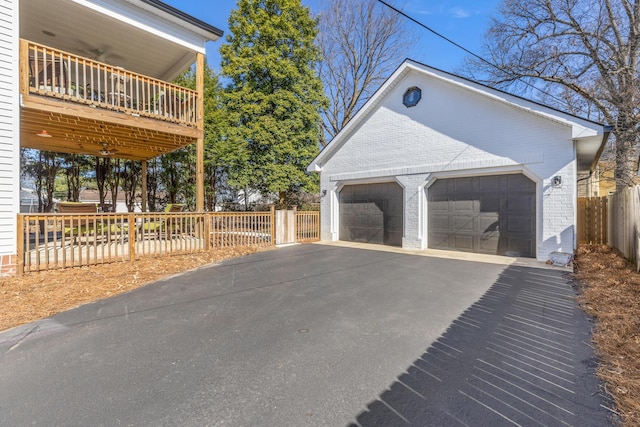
column 475, row 55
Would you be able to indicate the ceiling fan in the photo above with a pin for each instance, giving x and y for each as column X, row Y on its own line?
column 103, row 54
column 105, row 151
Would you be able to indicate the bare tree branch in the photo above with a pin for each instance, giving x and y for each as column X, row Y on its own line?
column 362, row 43
column 581, row 52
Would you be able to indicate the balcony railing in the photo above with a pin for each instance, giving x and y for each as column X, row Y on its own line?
column 57, row 74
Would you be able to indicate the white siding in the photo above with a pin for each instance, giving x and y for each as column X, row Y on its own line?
column 9, row 126
column 455, row 132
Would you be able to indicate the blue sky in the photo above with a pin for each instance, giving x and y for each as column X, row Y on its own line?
column 463, row 21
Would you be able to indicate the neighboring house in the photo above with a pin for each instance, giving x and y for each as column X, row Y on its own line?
column 93, row 77
column 434, row 160
column 93, row 196
column 29, row 200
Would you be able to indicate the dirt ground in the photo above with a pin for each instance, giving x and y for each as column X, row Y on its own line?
column 609, row 291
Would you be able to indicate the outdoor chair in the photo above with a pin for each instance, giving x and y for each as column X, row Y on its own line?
column 162, row 224
column 85, row 225
column 81, row 225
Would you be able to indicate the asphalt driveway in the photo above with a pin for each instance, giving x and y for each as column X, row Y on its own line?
column 313, row 335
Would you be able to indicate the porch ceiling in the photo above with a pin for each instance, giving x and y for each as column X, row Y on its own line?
column 149, row 45
column 85, row 135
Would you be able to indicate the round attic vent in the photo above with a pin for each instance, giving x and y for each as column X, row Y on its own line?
column 412, row 96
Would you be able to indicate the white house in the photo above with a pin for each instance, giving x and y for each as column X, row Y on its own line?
column 94, row 77
column 434, row 160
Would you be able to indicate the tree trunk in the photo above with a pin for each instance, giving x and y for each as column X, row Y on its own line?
column 626, row 158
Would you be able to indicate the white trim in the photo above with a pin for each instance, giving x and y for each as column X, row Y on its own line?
column 454, row 167
column 153, row 23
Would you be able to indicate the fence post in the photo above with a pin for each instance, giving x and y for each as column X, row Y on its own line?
column 272, row 209
column 132, row 236
column 207, row 231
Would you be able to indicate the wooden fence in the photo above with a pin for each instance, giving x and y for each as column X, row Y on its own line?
column 56, row 241
column 613, row 220
column 592, row 220
column 624, row 223
column 307, row 226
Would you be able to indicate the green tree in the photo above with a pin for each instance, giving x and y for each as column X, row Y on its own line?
column 43, row 168
column 215, row 168
column 274, row 97
column 74, row 166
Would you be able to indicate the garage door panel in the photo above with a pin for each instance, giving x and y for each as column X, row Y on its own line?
column 439, row 205
column 520, row 203
column 489, row 214
column 438, row 240
column 516, row 246
column 488, row 184
column 518, row 182
column 489, row 203
column 463, row 205
column 371, row 213
column 464, row 223
column 488, row 223
column 463, row 242
column 393, row 222
column 463, row 185
column 439, row 222
column 520, row 224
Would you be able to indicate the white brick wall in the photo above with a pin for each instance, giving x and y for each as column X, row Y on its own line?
column 455, row 131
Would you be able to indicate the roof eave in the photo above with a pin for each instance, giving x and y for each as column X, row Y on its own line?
column 206, row 30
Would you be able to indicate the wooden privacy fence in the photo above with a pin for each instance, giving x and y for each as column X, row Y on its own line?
column 613, row 220
column 592, row 220
column 624, row 223
column 56, row 241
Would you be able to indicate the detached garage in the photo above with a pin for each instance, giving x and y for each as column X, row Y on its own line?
column 436, row 161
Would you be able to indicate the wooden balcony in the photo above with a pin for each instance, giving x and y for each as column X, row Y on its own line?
column 86, row 105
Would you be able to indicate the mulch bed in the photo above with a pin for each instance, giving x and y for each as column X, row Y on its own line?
column 610, row 293
column 39, row 295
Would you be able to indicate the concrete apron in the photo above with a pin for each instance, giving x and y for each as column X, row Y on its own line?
column 462, row 256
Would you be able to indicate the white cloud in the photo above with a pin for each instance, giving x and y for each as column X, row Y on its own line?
column 458, row 12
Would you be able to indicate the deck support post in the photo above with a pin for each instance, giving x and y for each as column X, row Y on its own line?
column 200, row 126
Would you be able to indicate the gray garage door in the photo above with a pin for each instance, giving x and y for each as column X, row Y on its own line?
column 484, row 214
column 371, row 213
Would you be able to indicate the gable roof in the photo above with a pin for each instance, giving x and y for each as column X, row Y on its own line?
column 589, row 135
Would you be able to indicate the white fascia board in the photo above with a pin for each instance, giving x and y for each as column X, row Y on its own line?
column 143, row 19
